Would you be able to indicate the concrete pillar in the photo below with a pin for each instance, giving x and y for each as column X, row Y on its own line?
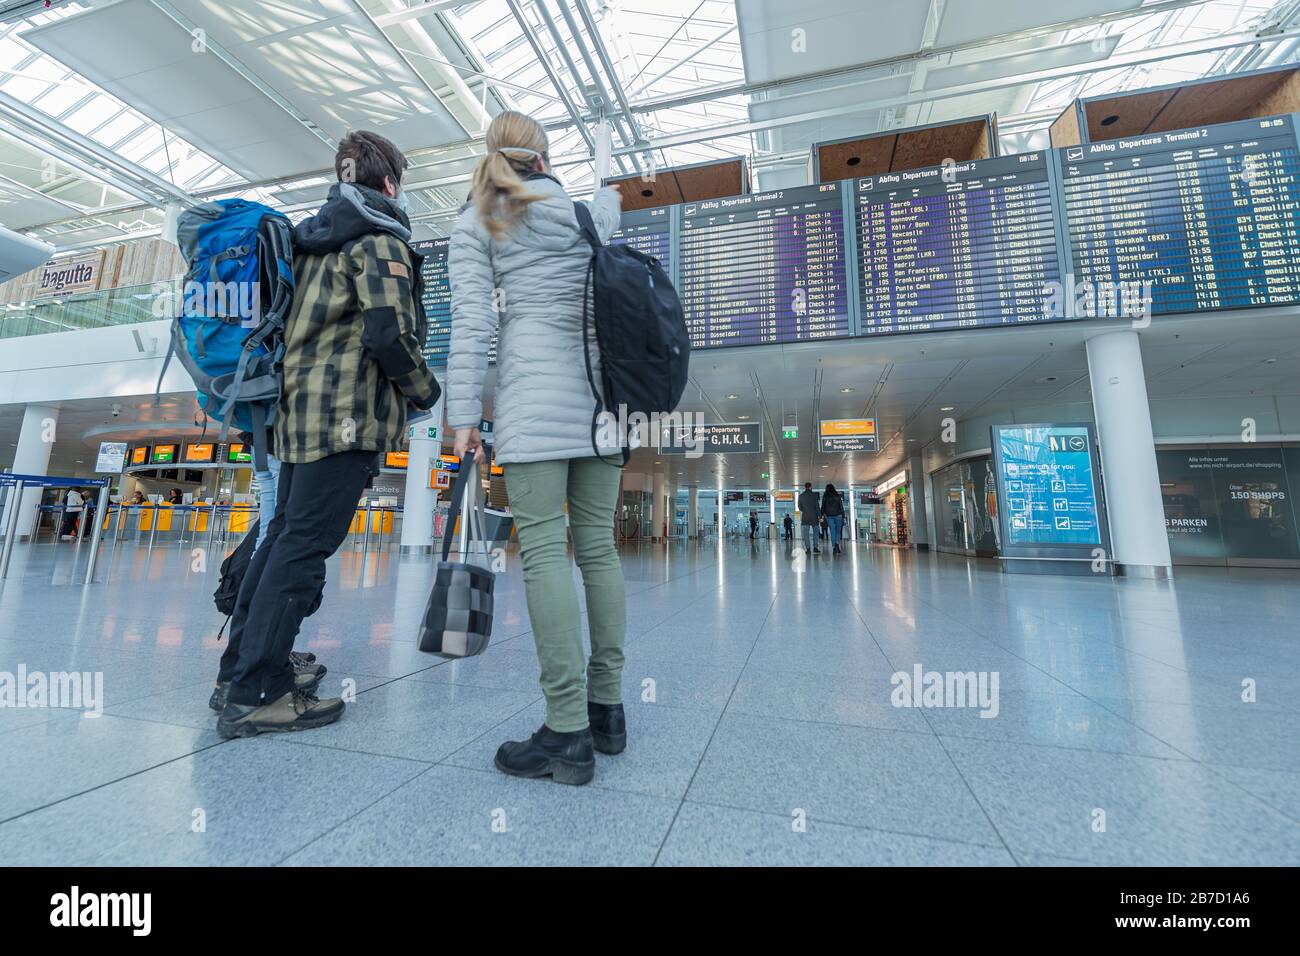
column 32, row 457
column 1138, row 539
column 918, row 527
column 692, row 512
column 657, row 508
column 852, row 532
column 419, row 500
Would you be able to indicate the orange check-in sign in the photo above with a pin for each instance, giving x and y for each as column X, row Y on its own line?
column 847, row 434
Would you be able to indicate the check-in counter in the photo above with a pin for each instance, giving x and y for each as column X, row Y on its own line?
column 381, row 521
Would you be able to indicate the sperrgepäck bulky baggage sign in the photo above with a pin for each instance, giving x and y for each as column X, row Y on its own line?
column 847, row 434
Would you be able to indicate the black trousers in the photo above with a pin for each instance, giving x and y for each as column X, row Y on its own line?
column 315, row 504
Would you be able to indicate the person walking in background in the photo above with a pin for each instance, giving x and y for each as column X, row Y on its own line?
column 353, row 362
column 833, row 512
column 518, row 266
column 72, row 504
column 753, row 525
column 789, row 527
column 809, row 517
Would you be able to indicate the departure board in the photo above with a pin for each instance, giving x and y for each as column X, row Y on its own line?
column 437, row 303
column 646, row 230
column 1210, row 217
column 765, row 268
column 437, row 299
column 957, row 246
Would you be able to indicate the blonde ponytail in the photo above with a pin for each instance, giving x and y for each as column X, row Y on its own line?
column 499, row 192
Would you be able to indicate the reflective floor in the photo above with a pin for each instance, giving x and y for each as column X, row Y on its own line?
column 1131, row 722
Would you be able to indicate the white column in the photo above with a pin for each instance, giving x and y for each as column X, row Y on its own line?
column 919, row 530
column 419, row 500
column 603, row 153
column 32, row 457
column 1138, row 540
column 853, row 515
column 657, row 508
column 692, row 512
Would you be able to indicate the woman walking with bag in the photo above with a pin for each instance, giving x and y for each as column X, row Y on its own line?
column 518, row 266
column 833, row 515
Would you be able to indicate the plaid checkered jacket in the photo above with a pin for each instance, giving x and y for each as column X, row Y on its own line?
column 353, row 351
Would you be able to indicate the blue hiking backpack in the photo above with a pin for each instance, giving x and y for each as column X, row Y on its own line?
column 229, row 334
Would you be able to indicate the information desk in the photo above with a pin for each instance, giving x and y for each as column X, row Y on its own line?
column 957, row 246
column 1210, row 216
column 765, row 268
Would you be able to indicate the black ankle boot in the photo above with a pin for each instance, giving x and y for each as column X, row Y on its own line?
column 608, row 727
column 565, row 758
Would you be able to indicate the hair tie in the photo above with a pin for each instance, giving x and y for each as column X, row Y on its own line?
column 532, row 153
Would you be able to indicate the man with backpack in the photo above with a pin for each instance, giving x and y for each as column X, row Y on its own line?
column 352, row 363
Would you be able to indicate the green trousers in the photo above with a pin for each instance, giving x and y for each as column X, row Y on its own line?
column 538, row 491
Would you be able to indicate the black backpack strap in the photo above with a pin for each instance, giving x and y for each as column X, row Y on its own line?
column 591, row 376
column 587, row 225
column 261, row 436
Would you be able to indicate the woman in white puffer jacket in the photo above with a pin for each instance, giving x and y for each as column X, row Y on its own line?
column 518, row 265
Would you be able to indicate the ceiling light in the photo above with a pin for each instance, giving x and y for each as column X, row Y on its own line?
column 733, row 395
column 846, row 389
column 947, row 408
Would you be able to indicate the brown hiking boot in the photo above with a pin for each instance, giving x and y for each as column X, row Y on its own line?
column 296, row 710
column 305, row 678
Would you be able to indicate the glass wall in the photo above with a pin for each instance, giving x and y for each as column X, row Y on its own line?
column 1231, row 505
column 966, row 507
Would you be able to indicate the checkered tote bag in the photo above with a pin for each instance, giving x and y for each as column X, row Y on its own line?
column 458, row 619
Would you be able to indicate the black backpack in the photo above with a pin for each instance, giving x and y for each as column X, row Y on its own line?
column 233, row 570
column 640, row 331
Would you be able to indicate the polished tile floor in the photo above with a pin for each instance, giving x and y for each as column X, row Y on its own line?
column 762, row 721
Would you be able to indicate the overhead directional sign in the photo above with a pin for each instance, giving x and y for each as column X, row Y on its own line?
column 847, row 434
column 720, row 439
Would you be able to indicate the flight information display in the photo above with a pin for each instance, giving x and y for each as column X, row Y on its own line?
column 765, row 268
column 437, row 299
column 437, row 303
column 957, row 246
column 646, row 230
column 1204, row 218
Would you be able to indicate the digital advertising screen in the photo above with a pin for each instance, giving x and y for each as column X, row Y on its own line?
column 1049, row 490
column 238, row 454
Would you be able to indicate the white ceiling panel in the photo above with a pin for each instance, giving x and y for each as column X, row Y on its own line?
column 146, row 59
column 967, row 20
column 1043, row 57
column 333, row 64
column 781, row 39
